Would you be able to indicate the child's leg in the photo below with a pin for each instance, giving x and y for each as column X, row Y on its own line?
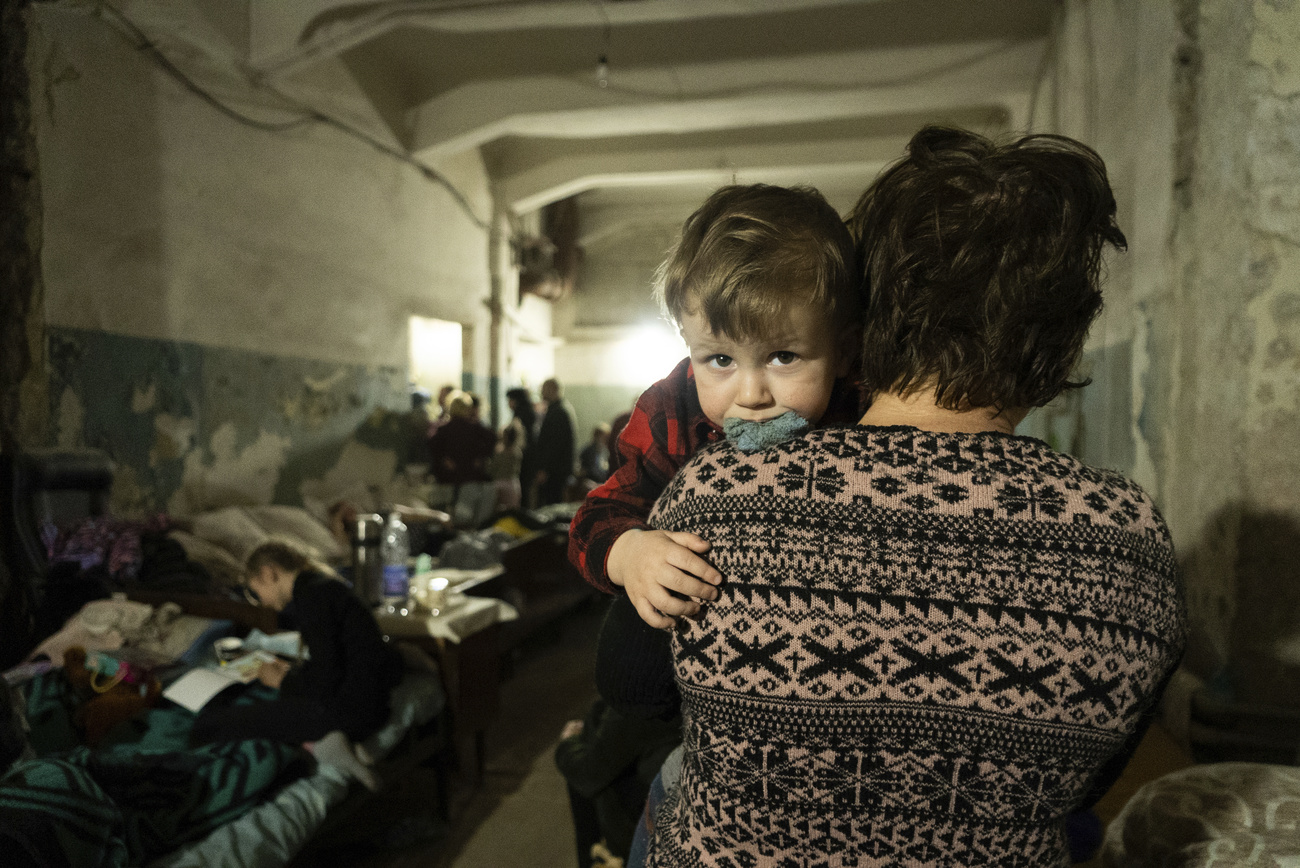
column 336, row 750
column 286, row 719
column 586, row 826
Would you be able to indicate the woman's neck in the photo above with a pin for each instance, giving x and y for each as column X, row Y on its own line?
column 919, row 410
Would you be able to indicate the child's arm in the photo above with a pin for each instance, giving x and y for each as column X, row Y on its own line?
column 663, row 432
column 648, row 564
column 612, row 546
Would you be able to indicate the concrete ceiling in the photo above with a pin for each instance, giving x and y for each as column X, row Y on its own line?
column 692, row 93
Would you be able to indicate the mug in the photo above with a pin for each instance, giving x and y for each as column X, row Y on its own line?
column 229, row 648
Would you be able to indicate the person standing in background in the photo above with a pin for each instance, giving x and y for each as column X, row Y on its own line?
column 442, row 416
column 504, row 466
column 615, row 429
column 555, row 446
column 458, row 455
column 593, row 460
column 525, row 418
column 416, row 458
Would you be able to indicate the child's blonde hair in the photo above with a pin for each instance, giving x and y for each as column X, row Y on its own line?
column 752, row 253
column 285, row 554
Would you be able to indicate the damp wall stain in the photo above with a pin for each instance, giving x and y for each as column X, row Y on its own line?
column 192, row 427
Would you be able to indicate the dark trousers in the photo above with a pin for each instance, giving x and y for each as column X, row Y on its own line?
column 288, row 719
column 586, row 825
column 610, row 817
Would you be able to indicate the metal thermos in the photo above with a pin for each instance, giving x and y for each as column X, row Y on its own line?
column 367, row 561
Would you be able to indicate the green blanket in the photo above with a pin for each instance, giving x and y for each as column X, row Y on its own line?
column 139, row 795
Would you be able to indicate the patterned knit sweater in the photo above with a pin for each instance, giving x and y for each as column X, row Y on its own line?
column 926, row 650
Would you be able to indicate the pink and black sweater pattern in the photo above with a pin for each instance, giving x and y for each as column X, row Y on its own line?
column 929, row 648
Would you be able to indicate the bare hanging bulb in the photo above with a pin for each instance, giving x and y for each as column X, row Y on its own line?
column 602, row 71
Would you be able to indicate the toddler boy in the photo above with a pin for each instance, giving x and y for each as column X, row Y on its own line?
column 761, row 286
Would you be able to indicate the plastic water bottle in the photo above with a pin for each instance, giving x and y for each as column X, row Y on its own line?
column 393, row 550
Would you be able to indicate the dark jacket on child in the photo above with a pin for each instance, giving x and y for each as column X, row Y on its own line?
column 345, row 683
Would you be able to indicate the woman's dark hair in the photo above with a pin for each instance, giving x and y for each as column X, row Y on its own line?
column 980, row 266
column 522, row 404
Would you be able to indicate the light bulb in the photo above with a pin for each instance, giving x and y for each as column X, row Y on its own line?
column 602, row 71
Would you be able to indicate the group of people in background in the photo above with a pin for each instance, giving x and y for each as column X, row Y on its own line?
column 532, row 461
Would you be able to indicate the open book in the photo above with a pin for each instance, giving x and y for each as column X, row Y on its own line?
column 193, row 689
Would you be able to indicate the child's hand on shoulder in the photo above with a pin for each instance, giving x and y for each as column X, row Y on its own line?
column 649, row 564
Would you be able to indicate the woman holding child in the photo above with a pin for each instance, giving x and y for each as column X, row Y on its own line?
column 933, row 639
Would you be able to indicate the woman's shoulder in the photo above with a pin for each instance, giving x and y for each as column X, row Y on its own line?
column 985, row 476
column 1095, row 494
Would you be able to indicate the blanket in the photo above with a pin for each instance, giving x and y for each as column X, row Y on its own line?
column 141, row 794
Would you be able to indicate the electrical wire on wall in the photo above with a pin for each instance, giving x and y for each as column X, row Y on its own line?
column 307, row 115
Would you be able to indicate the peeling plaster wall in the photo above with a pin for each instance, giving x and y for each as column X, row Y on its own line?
column 1195, row 106
column 227, row 306
column 1234, row 476
column 1110, row 84
column 194, row 427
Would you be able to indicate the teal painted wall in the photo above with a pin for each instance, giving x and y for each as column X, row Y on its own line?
column 162, row 408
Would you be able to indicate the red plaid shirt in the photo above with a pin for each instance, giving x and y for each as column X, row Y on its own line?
column 667, row 427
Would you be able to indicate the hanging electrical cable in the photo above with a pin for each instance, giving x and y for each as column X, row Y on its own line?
column 305, row 114
column 602, row 60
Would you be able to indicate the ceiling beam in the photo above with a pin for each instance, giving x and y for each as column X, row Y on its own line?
column 556, row 170
column 479, row 112
column 287, row 35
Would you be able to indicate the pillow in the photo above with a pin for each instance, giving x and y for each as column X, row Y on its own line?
column 231, row 528
column 220, row 564
column 297, row 524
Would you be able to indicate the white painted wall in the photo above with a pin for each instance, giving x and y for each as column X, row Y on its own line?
column 165, row 218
